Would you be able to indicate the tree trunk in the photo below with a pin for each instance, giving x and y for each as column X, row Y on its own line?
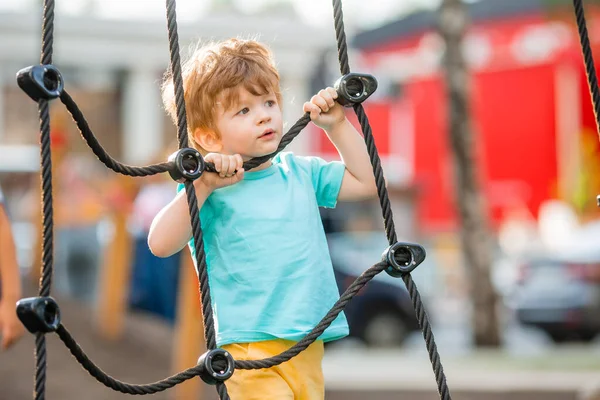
column 475, row 237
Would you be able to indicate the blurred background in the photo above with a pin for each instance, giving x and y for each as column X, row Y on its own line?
column 511, row 281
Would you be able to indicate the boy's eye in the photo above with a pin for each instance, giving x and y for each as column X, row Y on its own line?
column 244, row 110
column 270, row 103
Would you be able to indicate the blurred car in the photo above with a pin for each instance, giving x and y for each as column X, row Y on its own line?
column 381, row 314
column 559, row 292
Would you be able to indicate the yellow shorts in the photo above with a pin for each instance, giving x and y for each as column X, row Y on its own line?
column 301, row 378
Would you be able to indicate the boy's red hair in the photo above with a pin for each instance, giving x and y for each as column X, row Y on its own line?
column 214, row 74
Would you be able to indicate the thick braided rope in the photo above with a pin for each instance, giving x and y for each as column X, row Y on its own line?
column 386, row 209
column 382, row 192
column 47, row 212
column 301, row 345
column 209, row 324
column 115, row 384
column 209, row 331
column 98, row 150
column 93, row 143
column 588, row 59
column 176, row 73
column 285, row 140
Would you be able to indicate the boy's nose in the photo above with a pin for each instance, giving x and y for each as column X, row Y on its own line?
column 264, row 118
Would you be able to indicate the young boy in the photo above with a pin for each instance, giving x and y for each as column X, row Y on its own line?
column 269, row 268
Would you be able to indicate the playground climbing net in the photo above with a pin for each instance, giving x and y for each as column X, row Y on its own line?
column 41, row 314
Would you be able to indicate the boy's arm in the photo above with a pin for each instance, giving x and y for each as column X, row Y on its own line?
column 171, row 228
column 11, row 328
column 358, row 182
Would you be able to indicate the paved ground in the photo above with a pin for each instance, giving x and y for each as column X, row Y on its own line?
column 490, row 376
column 144, row 355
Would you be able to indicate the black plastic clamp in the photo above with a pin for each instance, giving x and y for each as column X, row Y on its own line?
column 598, row 200
column 39, row 314
column 213, row 374
column 402, row 258
column 354, row 88
column 188, row 164
column 41, row 81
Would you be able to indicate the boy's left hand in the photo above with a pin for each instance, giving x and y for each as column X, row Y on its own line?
column 324, row 111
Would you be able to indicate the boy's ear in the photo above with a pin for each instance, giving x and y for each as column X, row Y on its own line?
column 208, row 140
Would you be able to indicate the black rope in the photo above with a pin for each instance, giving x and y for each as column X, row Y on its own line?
column 209, row 324
column 382, row 192
column 47, row 211
column 434, row 355
column 98, row 150
column 340, row 36
column 115, row 384
column 285, row 140
column 40, row 367
column 303, row 343
column 47, row 241
column 588, row 59
column 209, row 330
column 88, row 136
column 386, row 209
column 176, row 73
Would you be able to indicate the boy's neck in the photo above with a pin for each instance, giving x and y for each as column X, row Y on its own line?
column 262, row 166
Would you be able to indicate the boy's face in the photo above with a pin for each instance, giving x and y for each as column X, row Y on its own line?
column 252, row 127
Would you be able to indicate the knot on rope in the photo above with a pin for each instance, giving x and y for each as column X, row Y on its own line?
column 403, row 258
column 39, row 314
column 354, row 88
column 41, row 82
column 186, row 164
column 217, row 366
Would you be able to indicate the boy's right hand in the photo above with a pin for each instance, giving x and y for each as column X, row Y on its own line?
column 229, row 171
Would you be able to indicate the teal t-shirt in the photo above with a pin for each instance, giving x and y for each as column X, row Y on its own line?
column 269, row 267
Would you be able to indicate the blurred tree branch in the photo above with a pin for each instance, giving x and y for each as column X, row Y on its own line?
column 475, row 237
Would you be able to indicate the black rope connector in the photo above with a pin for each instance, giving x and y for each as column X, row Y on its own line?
column 39, row 314
column 41, row 82
column 188, row 164
column 402, row 258
column 598, row 200
column 354, row 88
column 217, row 366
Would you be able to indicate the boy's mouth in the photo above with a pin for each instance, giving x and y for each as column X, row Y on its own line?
column 267, row 134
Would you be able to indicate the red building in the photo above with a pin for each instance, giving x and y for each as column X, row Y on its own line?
column 533, row 123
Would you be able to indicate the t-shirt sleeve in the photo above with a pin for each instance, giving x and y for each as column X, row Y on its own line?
column 1, row 196
column 326, row 179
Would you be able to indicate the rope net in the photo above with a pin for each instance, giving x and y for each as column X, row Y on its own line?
column 218, row 364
